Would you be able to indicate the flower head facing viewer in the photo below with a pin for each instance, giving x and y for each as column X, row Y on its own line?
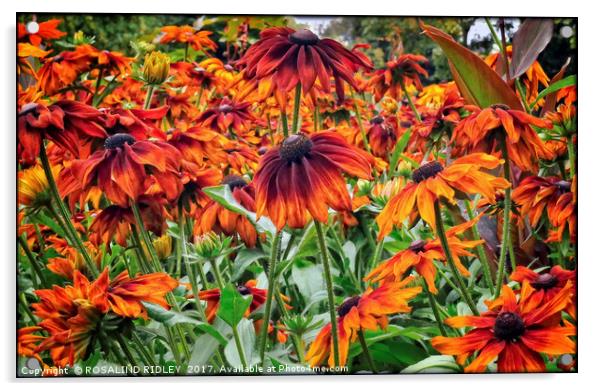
column 432, row 181
column 514, row 331
column 303, row 176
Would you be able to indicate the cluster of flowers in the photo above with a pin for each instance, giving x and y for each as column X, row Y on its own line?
column 112, row 148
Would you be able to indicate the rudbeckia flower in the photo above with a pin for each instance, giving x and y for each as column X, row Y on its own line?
column 547, row 284
column 121, row 168
column 365, row 312
column 227, row 116
column 302, row 177
column 514, row 331
column 558, row 197
column 421, row 254
column 24, row 52
column 63, row 69
column 477, row 133
column 32, row 186
column 189, row 74
column 65, row 123
column 36, row 32
column 214, row 217
column 28, row 341
column 382, row 135
column 287, row 57
column 405, row 70
column 432, row 181
column 198, row 40
column 212, row 297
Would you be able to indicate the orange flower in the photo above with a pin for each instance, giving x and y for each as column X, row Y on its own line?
column 515, row 331
column 212, row 297
column 556, row 196
column 287, row 57
column 547, row 285
column 36, row 32
column 198, row 40
column 303, row 177
column 198, row 143
column 405, row 70
column 122, row 166
column 126, row 294
column 227, row 116
column 113, row 62
column 365, row 312
column 214, row 217
column 382, row 135
column 63, row 69
column 223, row 73
column 432, row 181
column 421, row 254
column 477, row 131
column 25, row 51
column 64, row 123
column 189, row 74
column 28, row 341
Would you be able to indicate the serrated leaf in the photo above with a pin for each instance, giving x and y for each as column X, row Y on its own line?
column 232, row 305
column 478, row 83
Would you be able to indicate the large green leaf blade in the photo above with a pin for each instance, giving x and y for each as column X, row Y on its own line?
column 232, row 305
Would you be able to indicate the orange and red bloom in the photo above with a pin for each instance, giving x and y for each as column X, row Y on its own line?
column 404, row 70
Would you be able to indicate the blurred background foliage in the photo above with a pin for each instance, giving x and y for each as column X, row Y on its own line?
column 387, row 36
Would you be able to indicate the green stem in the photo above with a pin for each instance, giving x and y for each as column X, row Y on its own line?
column 149, row 96
column 410, row 102
column 143, row 349
column 239, row 347
column 191, row 275
column 480, row 250
column 296, row 108
column 126, row 350
column 284, row 124
column 366, row 351
column 499, row 43
column 504, row 52
column 572, row 155
column 330, row 292
column 101, row 72
column 317, row 119
column 25, row 305
column 450, row 260
column 218, row 275
column 506, row 240
column 267, row 309
column 434, row 307
column 360, row 123
column 186, row 52
column 54, row 191
column 32, row 260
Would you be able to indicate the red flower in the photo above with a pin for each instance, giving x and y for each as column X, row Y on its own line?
column 36, row 32
column 227, row 116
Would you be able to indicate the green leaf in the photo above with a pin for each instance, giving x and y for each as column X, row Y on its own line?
column 244, row 258
column 246, row 331
column 222, row 195
column 566, row 82
column 479, row 84
column 172, row 318
column 399, row 148
column 434, row 364
column 232, row 305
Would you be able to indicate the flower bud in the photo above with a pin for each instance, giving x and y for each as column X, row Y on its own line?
column 156, row 68
column 208, row 245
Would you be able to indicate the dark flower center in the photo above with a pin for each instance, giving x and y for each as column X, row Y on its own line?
column 564, row 186
column 508, row 326
column 262, row 150
column 427, row 170
column 348, row 305
column 28, row 108
column 304, row 37
column 234, row 181
column 377, row 120
column 243, row 290
column 417, row 245
column 295, row 147
column 545, row 281
column 225, row 108
column 500, row 106
column 118, row 140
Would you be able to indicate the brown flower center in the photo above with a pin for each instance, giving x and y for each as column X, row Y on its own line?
column 118, row 140
column 427, row 170
column 295, row 147
column 545, row 281
column 417, row 245
column 348, row 305
column 508, row 326
column 500, row 106
column 243, row 290
column 304, row 37
column 564, row 186
column 225, row 108
column 28, row 108
column 377, row 120
column 234, row 181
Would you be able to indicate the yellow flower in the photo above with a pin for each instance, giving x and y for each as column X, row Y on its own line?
column 33, row 186
column 156, row 68
column 162, row 246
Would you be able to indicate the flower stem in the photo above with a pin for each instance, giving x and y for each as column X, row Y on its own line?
column 267, row 309
column 70, row 229
column 434, row 307
column 284, row 124
column 362, row 338
column 33, row 261
column 480, row 250
column 330, row 292
column 218, row 275
column 463, row 291
column 317, row 120
column 571, row 148
column 184, row 253
column 506, row 240
column 149, row 96
column 143, row 349
column 296, row 108
column 101, row 72
column 360, row 123
column 241, row 352
column 407, row 95
column 126, row 350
